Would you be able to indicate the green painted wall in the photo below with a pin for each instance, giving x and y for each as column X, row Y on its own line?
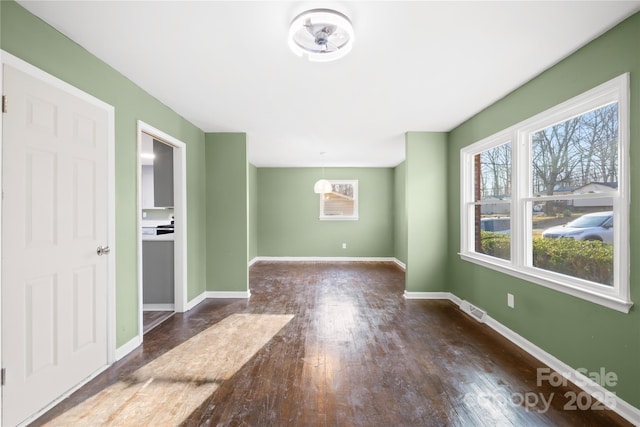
column 227, row 212
column 225, row 196
column 253, row 212
column 427, row 217
column 400, row 213
column 289, row 224
column 34, row 41
column 581, row 334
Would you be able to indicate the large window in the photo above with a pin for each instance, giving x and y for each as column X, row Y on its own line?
column 341, row 202
column 547, row 200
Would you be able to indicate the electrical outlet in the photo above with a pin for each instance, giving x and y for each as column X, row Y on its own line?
column 344, row 246
column 144, row 214
column 510, row 300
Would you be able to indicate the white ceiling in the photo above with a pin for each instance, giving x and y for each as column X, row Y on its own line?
column 415, row 66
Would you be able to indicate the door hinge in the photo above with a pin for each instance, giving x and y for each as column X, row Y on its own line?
column 2, row 375
column 4, row 103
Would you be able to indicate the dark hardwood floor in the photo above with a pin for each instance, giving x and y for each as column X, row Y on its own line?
column 356, row 353
column 153, row 319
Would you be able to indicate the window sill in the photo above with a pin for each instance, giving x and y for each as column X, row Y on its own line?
column 609, row 301
column 339, row 218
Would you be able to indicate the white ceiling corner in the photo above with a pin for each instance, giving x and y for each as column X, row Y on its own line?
column 415, row 65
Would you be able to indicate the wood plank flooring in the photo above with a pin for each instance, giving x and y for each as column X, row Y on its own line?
column 356, row 353
column 152, row 319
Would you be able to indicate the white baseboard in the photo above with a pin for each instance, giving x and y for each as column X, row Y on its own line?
column 197, row 300
column 401, row 264
column 157, row 307
column 597, row 391
column 128, row 347
column 217, row 295
column 432, row 295
column 253, row 261
column 228, row 294
column 325, row 259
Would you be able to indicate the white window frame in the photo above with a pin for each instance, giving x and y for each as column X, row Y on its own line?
column 616, row 297
column 355, row 216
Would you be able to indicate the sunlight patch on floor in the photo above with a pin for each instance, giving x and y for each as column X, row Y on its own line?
column 168, row 389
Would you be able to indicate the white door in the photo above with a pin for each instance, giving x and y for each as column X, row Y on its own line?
column 54, row 217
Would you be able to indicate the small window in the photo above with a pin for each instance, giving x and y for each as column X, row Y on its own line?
column 341, row 202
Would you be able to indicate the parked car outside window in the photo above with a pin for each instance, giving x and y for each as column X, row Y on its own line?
column 593, row 226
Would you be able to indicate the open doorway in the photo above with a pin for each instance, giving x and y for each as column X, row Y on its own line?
column 162, row 227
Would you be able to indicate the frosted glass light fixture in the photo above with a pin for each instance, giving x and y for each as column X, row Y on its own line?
column 321, row 34
column 322, row 186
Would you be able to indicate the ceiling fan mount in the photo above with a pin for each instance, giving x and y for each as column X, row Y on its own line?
column 321, row 35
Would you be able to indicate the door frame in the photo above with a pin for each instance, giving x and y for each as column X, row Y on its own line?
column 8, row 59
column 180, row 216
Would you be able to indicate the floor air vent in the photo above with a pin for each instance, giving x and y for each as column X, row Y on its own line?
column 473, row 311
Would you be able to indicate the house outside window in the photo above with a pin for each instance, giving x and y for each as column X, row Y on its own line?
column 547, row 199
column 342, row 202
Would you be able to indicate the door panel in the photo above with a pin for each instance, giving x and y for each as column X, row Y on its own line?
column 41, row 324
column 40, row 190
column 84, row 202
column 54, row 216
column 85, row 317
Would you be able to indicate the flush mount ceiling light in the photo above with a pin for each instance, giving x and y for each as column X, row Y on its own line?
column 321, row 34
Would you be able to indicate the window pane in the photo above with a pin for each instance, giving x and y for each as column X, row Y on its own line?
column 577, row 155
column 337, row 204
column 341, row 202
column 493, row 230
column 564, row 178
column 492, row 177
column 577, row 242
